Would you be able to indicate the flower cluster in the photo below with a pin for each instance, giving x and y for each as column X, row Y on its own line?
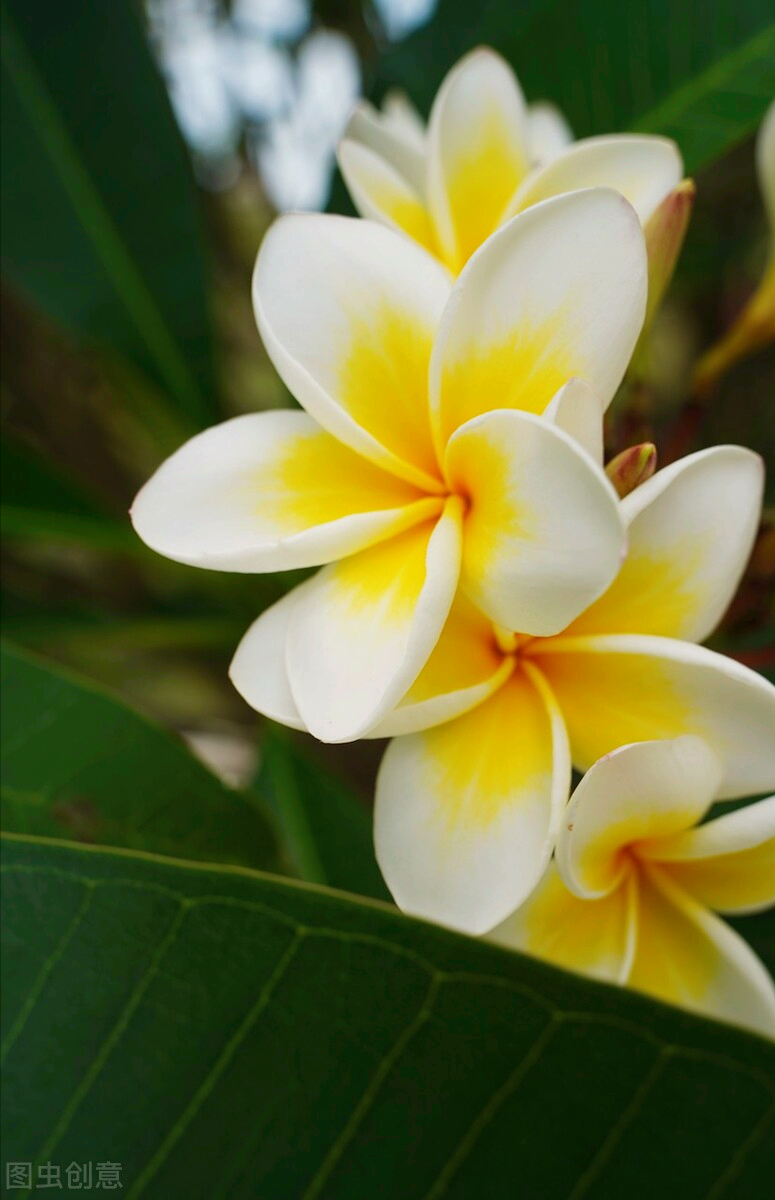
column 486, row 598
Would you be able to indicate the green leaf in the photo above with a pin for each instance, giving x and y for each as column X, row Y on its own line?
column 99, row 634
column 79, row 763
column 226, row 1035
column 702, row 71
column 39, row 501
column 326, row 833
column 717, row 107
column 99, row 219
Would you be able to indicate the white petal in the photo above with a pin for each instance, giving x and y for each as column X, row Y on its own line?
column 643, row 169
column 593, row 937
column 690, row 531
column 642, row 792
column 477, row 152
column 543, row 534
column 465, row 667
column 258, row 669
column 403, row 118
column 271, row 491
column 560, row 291
column 728, row 863
column 348, row 311
column 548, row 133
column 363, row 632
column 578, row 411
column 686, row 955
column 466, row 813
column 391, row 141
column 624, row 688
column 381, row 194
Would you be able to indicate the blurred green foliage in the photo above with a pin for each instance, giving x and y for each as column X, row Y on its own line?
column 128, row 783
column 325, row 830
column 100, row 223
column 702, row 71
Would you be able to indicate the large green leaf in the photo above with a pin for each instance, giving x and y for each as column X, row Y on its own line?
column 327, row 834
column 716, row 107
column 99, row 218
column 78, row 762
column 702, row 71
column 227, row 1035
column 39, row 501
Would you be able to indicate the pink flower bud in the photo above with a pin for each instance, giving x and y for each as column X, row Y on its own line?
column 665, row 231
column 632, row 467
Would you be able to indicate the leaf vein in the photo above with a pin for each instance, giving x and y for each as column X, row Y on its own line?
column 43, row 974
column 479, row 978
column 741, row 1154
column 491, row 1108
column 341, row 1142
column 628, row 1114
column 208, row 1083
column 111, row 1040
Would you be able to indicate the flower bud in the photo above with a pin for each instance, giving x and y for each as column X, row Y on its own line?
column 753, row 330
column 632, row 467
column 665, row 232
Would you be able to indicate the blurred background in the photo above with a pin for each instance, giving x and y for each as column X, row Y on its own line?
column 146, row 148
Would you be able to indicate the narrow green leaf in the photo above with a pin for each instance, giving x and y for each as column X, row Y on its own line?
column 223, row 1034
column 702, row 71
column 99, row 223
column 326, row 832
column 716, row 108
column 79, row 763
column 100, row 633
column 39, row 501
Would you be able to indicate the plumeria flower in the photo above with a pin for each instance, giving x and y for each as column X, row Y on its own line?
column 487, row 155
column 470, row 800
column 632, row 894
column 471, row 793
column 755, row 326
column 423, row 458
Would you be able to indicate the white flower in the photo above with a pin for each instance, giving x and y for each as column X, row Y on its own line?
column 637, row 881
column 487, row 155
column 423, row 457
column 471, row 792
